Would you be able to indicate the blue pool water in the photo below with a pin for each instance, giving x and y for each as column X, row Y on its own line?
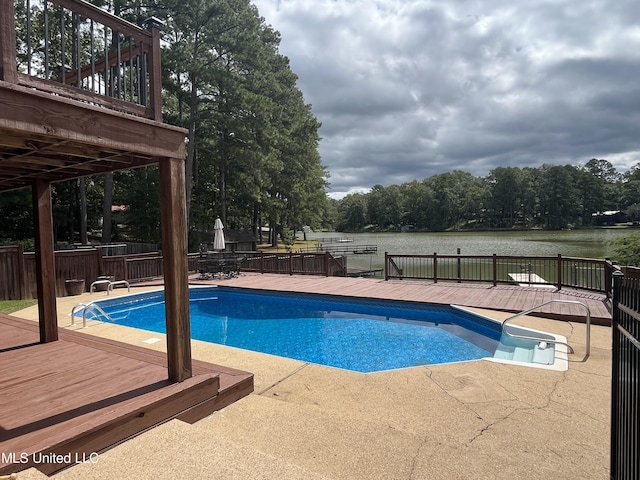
column 354, row 334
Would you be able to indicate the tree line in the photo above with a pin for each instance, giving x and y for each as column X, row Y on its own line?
column 252, row 155
column 252, row 145
column 550, row 197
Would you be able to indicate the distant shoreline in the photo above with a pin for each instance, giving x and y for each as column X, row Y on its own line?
column 628, row 226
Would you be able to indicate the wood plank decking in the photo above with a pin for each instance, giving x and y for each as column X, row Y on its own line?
column 82, row 394
column 502, row 297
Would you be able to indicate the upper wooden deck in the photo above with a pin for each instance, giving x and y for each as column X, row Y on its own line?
column 81, row 94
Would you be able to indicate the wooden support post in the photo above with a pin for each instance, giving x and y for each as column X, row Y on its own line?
column 176, row 281
column 155, row 70
column 8, row 68
column 435, row 267
column 495, row 270
column 45, row 261
column 608, row 277
column 326, row 264
column 100, row 263
column 559, row 282
column 386, row 266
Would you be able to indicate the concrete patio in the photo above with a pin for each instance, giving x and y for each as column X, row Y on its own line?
column 458, row 421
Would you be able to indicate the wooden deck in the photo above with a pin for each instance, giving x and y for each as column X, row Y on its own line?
column 506, row 298
column 82, row 394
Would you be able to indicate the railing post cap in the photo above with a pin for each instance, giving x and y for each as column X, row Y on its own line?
column 153, row 22
column 618, row 273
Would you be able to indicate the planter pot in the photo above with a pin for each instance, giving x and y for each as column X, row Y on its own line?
column 74, row 286
column 101, row 287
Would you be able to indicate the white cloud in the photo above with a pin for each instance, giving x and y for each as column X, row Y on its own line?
column 408, row 89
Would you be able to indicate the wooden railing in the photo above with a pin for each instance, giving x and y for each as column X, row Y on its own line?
column 293, row 263
column 17, row 269
column 73, row 49
column 140, row 267
column 558, row 272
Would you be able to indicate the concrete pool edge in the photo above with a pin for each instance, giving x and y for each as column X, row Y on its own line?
column 376, row 426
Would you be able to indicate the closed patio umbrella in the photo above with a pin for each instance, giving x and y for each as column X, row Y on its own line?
column 218, row 238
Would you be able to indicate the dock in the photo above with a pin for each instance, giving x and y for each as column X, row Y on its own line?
column 330, row 240
column 343, row 249
column 363, row 272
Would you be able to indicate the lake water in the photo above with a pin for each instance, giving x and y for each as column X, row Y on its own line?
column 570, row 243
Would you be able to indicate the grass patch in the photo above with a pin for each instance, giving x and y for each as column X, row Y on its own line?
column 10, row 306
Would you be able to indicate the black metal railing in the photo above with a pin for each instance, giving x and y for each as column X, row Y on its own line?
column 558, row 272
column 625, row 379
column 74, row 49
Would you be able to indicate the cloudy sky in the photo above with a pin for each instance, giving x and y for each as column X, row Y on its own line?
column 406, row 89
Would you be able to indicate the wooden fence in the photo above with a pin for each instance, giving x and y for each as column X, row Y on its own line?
column 18, row 269
column 12, row 273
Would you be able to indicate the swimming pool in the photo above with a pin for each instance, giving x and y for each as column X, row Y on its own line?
column 355, row 334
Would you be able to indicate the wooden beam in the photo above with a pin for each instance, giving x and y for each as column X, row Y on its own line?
column 174, row 250
column 28, row 112
column 45, row 262
column 83, row 95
